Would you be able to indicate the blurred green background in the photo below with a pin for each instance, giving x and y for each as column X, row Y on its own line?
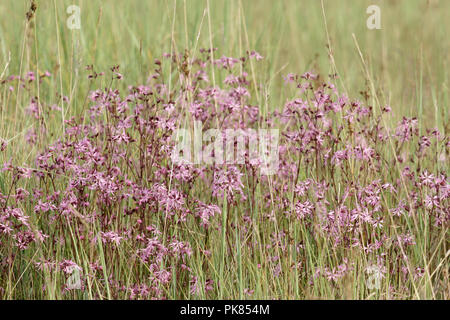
column 408, row 58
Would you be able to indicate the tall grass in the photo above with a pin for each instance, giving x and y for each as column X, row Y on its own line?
column 256, row 247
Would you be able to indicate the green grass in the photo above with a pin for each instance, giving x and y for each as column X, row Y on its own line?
column 404, row 65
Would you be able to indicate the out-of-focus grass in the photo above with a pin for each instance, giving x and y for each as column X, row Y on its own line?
column 410, row 49
column 407, row 61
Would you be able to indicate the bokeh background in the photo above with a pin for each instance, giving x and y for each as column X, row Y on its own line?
column 407, row 59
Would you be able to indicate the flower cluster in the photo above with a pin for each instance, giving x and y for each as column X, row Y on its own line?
column 105, row 199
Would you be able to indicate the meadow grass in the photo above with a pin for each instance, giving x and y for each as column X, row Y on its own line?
column 407, row 59
column 403, row 65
